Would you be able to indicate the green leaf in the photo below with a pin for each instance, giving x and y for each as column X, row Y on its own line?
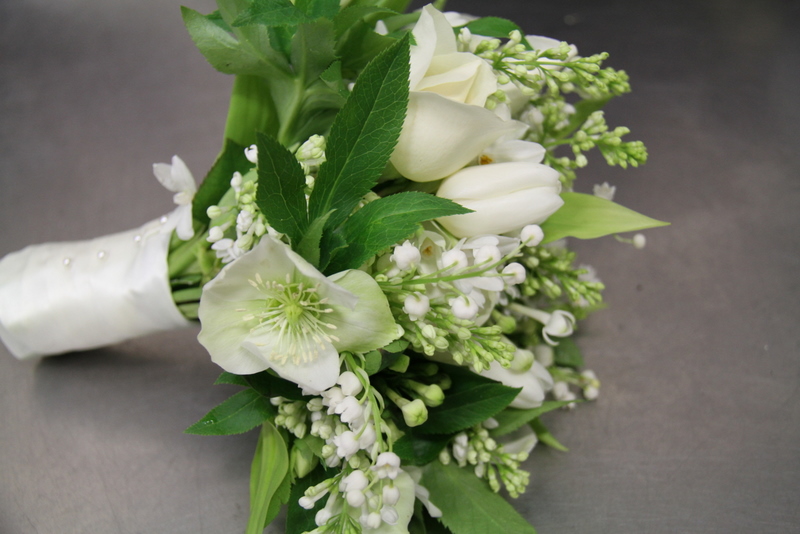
column 470, row 400
column 492, row 27
column 270, row 13
column 587, row 217
column 230, row 378
column 378, row 360
column 218, row 180
column 312, row 50
column 242, row 412
column 251, row 110
column 315, row 9
column 267, row 475
column 567, row 354
column 332, row 76
column 300, row 520
column 363, row 135
column 468, row 505
column 280, row 195
column 386, row 221
column 398, row 345
column 222, row 50
column 352, row 14
column 414, row 449
column 269, row 385
column 545, row 436
column 511, row 419
column 309, row 245
column 280, row 498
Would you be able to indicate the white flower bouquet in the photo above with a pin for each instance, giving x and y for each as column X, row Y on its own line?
column 377, row 258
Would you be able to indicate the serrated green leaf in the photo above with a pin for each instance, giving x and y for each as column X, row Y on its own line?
column 363, row 135
column 468, row 505
column 332, row 76
column 587, row 217
column 312, row 49
column 230, row 378
column 386, row 221
column 280, row 39
column 511, row 419
column 280, row 195
column 492, row 27
column 300, row 520
column 415, row 449
column 314, row 9
column 268, row 474
column 218, row 179
column 567, row 354
column 242, row 412
column 545, row 436
column 470, row 400
column 270, row 13
column 269, row 386
column 222, row 50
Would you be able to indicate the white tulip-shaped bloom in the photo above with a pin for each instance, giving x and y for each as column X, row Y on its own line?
column 440, row 136
column 272, row 309
column 503, row 197
column 446, row 125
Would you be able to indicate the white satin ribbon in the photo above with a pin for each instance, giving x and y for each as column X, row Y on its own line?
column 63, row 297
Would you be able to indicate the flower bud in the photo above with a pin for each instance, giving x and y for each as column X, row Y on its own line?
column 503, row 197
column 415, row 413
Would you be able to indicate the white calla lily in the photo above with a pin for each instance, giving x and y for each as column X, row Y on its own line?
column 503, row 196
column 272, row 309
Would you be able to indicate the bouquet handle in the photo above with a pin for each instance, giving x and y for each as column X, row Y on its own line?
column 78, row 295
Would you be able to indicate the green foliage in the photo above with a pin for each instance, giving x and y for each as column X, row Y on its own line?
column 268, row 385
column 567, row 354
column 385, row 221
column 545, row 436
column 298, row 519
column 511, row 419
column 419, row 449
column 268, row 475
column 242, row 412
column 230, row 378
column 468, row 505
column 471, row 400
column 492, row 27
column 280, row 195
column 587, row 217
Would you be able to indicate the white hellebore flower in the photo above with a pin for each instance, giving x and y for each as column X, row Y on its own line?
column 272, row 309
column 446, row 125
column 178, row 179
column 503, row 197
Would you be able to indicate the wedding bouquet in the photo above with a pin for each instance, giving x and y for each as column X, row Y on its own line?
column 377, row 257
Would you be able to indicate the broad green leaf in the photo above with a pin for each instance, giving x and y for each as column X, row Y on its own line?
column 218, row 180
column 242, row 412
column 378, row 360
column 280, row 39
column 216, row 18
column 230, row 378
column 363, row 135
column 280, row 498
column 468, row 505
column 492, row 27
column 222, row 50
column 332, row 76
column 587, row 217
column 359, row 46
column 251, row 110
column 269, row 385
column 470, row 400
column 314, row 9
column 299, row 520
column 308, row 247
column 386, row 221
column 270, row 13
column 280, row 195
column 567, row 354
column 545, row 436
column 352, row 14
column 511, row 419
column 414, row 449
column 312, row 50
column 267, row 475
column 398, row 345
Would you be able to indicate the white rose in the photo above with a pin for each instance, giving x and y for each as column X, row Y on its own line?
column 503, row 197
column 446, row 124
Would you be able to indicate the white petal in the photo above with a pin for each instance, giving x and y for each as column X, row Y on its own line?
column 316, row 375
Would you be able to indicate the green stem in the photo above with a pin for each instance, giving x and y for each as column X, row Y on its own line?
column 251, row 110
column 286, row 130
column 184, row 255
column 191, row 294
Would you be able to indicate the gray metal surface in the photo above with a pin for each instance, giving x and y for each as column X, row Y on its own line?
column 697, row 428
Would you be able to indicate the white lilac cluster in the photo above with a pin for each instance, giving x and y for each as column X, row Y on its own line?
column 371, row 487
